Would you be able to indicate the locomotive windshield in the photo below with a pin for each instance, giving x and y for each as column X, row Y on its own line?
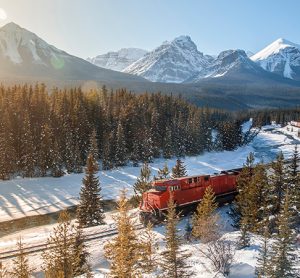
column 159, row 187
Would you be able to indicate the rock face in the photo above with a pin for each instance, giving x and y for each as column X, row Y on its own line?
column 172, row 62
column 118, row 60
column 24, row 54
column 281, row 57
column 229, row 62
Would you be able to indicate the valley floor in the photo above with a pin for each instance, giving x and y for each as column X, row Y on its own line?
column 22, row 197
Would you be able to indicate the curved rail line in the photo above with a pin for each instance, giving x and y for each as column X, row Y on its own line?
column 42, row 247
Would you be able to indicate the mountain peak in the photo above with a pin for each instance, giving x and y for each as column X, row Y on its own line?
column 11, row 26
column 274, row 48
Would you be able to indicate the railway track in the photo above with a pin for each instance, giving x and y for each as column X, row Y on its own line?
column 42, row 247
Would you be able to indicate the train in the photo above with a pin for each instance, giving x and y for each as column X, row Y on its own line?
column 187, row 193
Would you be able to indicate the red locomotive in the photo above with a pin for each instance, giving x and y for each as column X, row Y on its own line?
column 187, row 193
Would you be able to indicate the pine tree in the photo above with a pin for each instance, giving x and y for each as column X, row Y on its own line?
column 178, row 170
column 28, row 150
column 45, row 159
column 21, row 268
column 121, row 150
column 149, row 247
column 168, row 150
column 57, row 161
column 205, row 219
column 262, row 266
column 282, row 258
column 90, row 208
column 143, row 182
column 278, row 183
column 173, row 258
column 93, row 147
column 243, row 183
column 65, row 256
column 80, row 254
column 294, row 183
column 124, row 251
column 163, row 173
column 244, row 239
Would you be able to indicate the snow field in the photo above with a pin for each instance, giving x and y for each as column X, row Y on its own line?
column 22, row 197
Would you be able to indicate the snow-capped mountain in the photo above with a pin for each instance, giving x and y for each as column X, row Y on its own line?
column 118, row 60
column 24, row 54
column 228, row 62
column 173, row 61
column 281, row 57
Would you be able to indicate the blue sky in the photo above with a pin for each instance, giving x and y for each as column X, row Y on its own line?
column 90, row 27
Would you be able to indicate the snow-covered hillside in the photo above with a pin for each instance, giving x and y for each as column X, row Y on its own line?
column 229, row 62
column 173, row 61
column 118, row 60
column 17, row 44
column 30, row 196
column 281, row 57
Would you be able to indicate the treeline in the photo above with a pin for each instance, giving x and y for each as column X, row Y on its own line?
column 43, row 133
column 263, row 117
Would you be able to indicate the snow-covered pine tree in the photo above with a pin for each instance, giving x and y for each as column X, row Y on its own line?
column 77, row 161
column 173, row 262
column 93, row 147
column 163, row 173
column 179, row 170
column 57, row 161
column 7, row 152
column 44, row 155
column 205, row 225
column 143, row 182
column 282, row 258
column 90, row 207
column 21, row 268
column 28, row 150
column 168, row 150
column 120, row 146
column 124, row 251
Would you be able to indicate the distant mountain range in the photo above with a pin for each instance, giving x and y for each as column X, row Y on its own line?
column 180, row 61
column 234, row 79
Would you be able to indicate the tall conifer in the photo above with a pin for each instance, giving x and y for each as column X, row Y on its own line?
column 90, row 208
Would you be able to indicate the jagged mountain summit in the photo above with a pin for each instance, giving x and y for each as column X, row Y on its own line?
column 24, row 54
column 118, row 60
column 281, row 57
column 228, row 62
column 172, row 62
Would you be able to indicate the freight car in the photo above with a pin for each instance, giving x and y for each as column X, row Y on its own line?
column 187, row 193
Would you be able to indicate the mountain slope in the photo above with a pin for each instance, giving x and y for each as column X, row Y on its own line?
column 118, row 60
column 281, row 57
column 24, row 54
column 235, row 66
column 173, row 61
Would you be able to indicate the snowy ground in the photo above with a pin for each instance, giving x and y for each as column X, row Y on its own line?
column 243, row 265
column 30, row 196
